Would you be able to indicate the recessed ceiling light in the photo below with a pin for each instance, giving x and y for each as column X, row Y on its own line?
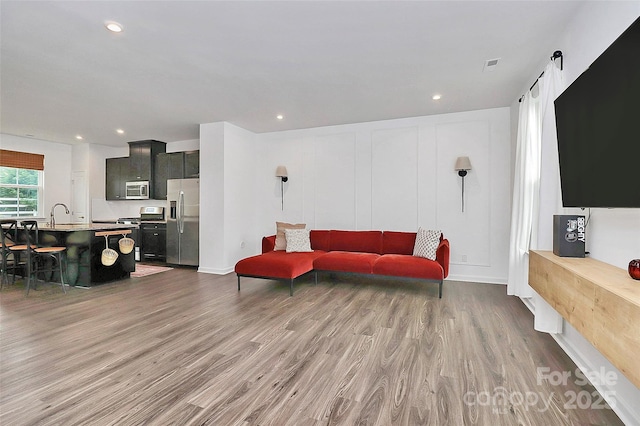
column 79, row 137
column 114, row 27
column 120, row 131
column 436, row 97
column 280, row 117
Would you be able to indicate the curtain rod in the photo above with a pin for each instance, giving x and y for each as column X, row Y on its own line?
column 557, row 54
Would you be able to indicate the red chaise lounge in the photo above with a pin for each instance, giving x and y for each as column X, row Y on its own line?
column 388, row 254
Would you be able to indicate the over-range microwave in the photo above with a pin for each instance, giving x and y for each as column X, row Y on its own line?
column 138, row 190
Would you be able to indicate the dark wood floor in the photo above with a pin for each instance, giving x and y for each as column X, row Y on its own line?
column 186, row 348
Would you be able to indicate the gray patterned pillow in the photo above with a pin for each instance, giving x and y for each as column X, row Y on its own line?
column 427, row 242
column 297, row 240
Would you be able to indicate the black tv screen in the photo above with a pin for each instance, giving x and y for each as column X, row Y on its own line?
column 598, row 129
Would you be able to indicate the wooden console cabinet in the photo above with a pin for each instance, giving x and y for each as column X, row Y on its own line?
column 599, row 300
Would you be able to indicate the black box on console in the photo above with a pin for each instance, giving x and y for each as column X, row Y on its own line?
column 568, row 235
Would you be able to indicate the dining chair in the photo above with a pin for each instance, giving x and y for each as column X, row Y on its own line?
column 41, row 259
column 9, row 239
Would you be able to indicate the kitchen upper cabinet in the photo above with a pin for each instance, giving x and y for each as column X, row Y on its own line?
column 168, row 166
column 141, row 158
column 117, row 177
column 192, row 164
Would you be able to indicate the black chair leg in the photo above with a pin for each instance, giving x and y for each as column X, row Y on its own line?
column 60, row 264
column 291, row 288
column 29, row 273
column 440, row 291
column 238, row 282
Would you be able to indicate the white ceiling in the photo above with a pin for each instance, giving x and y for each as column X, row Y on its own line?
column 319, row 63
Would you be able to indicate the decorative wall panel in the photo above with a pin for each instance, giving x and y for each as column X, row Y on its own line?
column 469, row 232
column 394, row 177
column 335, row 193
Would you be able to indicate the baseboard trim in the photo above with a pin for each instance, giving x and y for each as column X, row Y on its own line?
column 215, row 271
column 473, row 279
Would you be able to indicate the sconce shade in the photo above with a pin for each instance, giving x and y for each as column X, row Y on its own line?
column 281, row 171
column 463, row 163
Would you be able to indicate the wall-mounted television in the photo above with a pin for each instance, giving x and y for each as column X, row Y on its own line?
column 598, row 129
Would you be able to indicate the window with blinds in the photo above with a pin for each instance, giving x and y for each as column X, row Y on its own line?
column 21, row 189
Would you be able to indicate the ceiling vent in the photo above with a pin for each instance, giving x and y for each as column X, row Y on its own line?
column 490, row 64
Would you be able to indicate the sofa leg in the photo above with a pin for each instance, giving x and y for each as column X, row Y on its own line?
column 291, row 287
column 315, row 275
column 238, row 282
column 440, row 291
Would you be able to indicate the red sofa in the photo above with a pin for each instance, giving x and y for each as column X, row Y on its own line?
column 387, row 253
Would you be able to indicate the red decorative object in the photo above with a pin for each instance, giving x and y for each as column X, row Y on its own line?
column 634, row 269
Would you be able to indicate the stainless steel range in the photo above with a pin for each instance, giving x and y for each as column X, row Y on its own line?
column 153, row 234
column 151, row 239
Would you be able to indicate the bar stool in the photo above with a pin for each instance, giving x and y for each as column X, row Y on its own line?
column 9, row 239
column 36, row 256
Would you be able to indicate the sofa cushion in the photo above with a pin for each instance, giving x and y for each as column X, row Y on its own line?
column 394, row 242
column 278, row 264
column 297, row 240
column 281, row 241
column 358, row 241
column 400, row 265
column 345, row 261
column 320, row 239
column 427, row 242
column 268, row 243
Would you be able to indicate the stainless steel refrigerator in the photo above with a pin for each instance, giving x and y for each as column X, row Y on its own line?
column 183, row 221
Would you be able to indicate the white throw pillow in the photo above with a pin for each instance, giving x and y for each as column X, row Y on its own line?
column 297, row 240
column 427, row 242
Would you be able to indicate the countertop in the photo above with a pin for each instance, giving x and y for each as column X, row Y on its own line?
column 70, row 227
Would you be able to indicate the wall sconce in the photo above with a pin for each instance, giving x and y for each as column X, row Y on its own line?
column 281, row 172
column 463, row 164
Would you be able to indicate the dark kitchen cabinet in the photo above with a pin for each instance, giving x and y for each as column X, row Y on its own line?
column 174, row 165
column 192, row 164
column 169, row 165
column 141, row 158
column 117, row 176
column 153, row 241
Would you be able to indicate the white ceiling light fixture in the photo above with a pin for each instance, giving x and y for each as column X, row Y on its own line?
column 120, row 131
column 280, row 117
column 436, row 97
column 114, row 27
column 79, row 137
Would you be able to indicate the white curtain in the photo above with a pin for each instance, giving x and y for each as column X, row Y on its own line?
column 524, row 211
column 534, row 203
column 551, row 84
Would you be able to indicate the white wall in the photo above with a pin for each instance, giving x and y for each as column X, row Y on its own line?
column 613, row 235
column 187, row 145
column 227, row 204
column 240, row 208
column 57, row 168
column 397, row 175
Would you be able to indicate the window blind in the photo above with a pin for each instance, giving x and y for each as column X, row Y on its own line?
column 21, row 160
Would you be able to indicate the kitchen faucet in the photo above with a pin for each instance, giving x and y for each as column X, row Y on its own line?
column 52, row 218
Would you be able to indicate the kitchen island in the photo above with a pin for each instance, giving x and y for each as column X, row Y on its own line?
column 85, row 243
